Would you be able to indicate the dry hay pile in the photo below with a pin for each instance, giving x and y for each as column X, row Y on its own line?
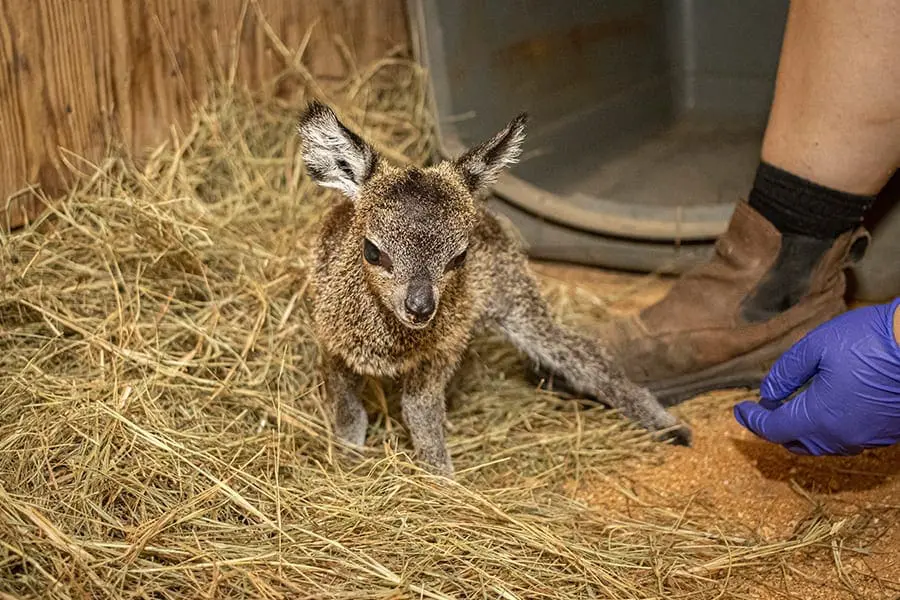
column 162, row 430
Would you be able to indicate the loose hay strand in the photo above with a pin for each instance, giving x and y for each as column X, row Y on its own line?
column 163, row 432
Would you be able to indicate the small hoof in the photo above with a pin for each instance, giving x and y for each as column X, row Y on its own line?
column 680, row 436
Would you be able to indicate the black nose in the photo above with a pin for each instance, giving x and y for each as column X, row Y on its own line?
column 420, row 301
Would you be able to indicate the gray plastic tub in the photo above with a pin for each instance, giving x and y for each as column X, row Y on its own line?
column 646, row 116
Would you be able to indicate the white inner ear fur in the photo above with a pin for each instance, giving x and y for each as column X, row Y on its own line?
column 484, row 163
column 329, row 153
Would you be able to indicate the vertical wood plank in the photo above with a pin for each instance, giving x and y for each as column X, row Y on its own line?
column 82, row 75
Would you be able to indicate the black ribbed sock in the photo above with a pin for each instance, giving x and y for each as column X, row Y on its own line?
column 797, row 206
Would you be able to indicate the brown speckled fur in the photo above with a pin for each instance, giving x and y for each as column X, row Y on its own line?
column 422, row 218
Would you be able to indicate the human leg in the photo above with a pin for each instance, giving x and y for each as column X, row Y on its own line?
column 832, row 141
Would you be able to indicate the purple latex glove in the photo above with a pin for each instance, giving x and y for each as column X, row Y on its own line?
column 852, row 365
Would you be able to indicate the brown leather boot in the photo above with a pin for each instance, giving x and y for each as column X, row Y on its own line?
column 725, row 322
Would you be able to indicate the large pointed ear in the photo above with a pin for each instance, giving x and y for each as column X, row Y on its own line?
column 334, row 156
column 481, row 166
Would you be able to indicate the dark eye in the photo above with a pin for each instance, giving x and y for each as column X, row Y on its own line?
column 371, row 252
column 376, row 257
column 458, row 261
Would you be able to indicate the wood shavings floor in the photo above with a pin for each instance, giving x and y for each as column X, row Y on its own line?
column 738, row 478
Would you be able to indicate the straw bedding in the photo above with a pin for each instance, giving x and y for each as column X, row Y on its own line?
column 163, row 433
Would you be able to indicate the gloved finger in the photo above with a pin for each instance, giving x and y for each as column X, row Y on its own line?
column 793, row 369
column 797, row 447
column 780, row 426
column 767, row 403
column 888, row 311
column 770, row 403
column 773, row 403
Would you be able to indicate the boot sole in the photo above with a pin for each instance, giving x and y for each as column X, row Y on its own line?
column 745, row 371
column 675, row 391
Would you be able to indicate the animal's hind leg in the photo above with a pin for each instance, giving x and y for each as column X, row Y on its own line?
column 582, row 362
column 350, row 418
column 553, row 382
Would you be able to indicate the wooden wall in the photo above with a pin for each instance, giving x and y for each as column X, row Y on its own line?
column 76, row 74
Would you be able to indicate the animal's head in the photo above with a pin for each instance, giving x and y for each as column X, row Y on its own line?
column 411, row 225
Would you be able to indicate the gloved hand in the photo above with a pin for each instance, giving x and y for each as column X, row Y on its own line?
column 852, row 365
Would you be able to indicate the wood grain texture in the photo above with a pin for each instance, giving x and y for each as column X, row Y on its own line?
column 83, row 74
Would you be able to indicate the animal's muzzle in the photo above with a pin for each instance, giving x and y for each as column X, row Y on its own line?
column 419, row 302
